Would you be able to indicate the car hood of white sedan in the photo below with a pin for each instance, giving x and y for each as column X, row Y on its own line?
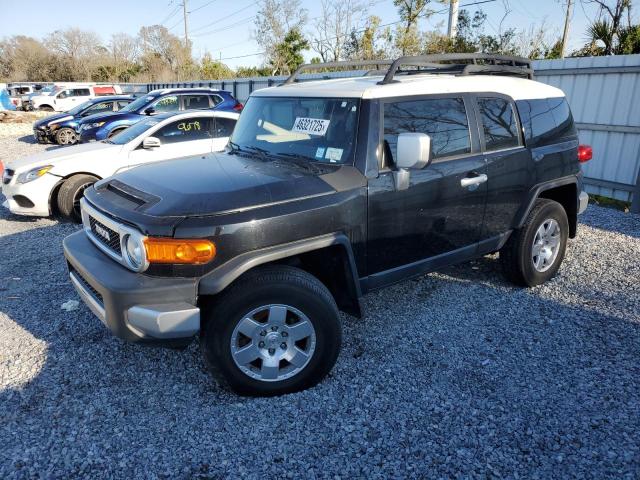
column 62, row 154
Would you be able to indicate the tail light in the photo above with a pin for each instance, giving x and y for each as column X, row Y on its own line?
column 238, row 107
column 585, row 153
column 1, row 168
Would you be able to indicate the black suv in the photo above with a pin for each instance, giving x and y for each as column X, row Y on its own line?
column 329, row 189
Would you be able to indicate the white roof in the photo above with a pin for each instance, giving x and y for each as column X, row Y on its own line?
column 420, row 84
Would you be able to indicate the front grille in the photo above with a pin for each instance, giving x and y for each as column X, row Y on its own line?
column 105, row 235
column 7, row 175
column 86, row 285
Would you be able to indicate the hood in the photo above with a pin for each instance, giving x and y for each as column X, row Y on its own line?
column 57, row 155
column 52, row 118
column 103, row 117
column 220, row 183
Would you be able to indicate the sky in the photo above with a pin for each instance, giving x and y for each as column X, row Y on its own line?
column 223, row 28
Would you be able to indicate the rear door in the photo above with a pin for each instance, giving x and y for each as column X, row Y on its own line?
column 180, row 138
column 438, row 218
column 510, row 170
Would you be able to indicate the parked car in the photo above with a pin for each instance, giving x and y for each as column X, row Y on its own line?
column 53, row 182
column 27, row 99
column 69, row 97
column 17, row 91
column 330, row 189
column 61, row 127
column 100, row 127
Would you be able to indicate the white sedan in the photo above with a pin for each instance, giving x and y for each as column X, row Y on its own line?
column 54, row 181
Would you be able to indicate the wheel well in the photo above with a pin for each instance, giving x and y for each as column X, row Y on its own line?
column 332, row 267
column 565, row 195
column 53, row 196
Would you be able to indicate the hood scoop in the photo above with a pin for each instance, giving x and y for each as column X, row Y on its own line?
column 126, row 196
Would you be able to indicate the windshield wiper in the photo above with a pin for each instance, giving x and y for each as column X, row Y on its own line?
column 247, row 149
column 303, row 161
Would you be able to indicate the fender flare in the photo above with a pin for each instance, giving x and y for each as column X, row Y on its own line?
column 221, row 277
column 535, row 192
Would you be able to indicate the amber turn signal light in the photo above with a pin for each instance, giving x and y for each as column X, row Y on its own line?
column 177, row 250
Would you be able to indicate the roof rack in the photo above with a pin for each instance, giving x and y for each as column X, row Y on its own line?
column 446, row 63
column 321, row 66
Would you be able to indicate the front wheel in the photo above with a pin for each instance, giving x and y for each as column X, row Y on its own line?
column 534, row 252
column 71, row 193
column 66, row 136
column 277, row 330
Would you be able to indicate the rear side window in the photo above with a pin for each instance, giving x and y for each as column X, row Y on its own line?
column 81, row 92
column 546, row 121
column 443, row 119
column 224, row 127
column 499, row 123
column 195, row 102
column 185, row 130
column 216, row 99
column 123, row 103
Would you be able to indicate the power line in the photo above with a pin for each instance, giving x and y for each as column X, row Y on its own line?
column 225, row 17
column 202, row 6
column 226, row 27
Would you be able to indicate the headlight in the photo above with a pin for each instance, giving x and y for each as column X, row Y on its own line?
column 135, row 251
column 95, row 125
column 33, row 174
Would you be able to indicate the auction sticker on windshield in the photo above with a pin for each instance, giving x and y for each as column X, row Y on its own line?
column 312, row 126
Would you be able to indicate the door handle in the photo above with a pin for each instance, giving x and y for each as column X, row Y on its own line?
column 471, row 181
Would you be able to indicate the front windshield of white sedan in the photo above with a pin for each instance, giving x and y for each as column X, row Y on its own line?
column 133, row 131
column 314, row 129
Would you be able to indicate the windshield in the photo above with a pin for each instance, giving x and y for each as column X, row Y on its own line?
column 133, row 131
column 137, row 103
column 79, row 108
column 315, row 129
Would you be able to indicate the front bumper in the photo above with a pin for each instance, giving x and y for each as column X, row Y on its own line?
column 135, row 307
column 32, row 198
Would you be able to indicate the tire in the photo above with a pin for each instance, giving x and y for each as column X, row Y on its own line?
column 311, row 324
column 66, row 136
column 70, row 194
column 546, row 226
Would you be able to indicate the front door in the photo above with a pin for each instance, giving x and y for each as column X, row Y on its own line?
column 180, row 138
column 439, row 215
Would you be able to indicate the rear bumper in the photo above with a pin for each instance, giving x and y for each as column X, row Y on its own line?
column 135, row 307
column 583, row 201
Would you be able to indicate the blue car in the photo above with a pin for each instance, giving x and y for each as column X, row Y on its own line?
column 61, row 128
column 106, row 125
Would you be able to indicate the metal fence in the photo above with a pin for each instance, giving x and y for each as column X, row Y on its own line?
column 604, row 94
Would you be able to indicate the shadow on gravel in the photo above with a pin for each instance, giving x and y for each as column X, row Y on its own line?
column 612, row 220
column 452, row 374
column 27, row 139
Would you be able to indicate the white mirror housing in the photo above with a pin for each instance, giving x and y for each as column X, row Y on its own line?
column 151, row 142
column 413, row 150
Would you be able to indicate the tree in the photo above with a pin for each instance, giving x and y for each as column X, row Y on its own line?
column 214, row 69
column 608, row 34
column 245, row 72
column 338, row 18
column 274, row 20
column 407, row 34
column 80, row 50
column 371, row 43
column 288, row 54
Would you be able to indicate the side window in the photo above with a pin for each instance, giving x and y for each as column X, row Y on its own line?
column 99, row 108
column 81, row 92
column 65, row 94
column 562, row 115
column 122, row 103
column 215, row 99
column 185, row 130
column 167, row 104
column 443, row 119
column 195, row 102
column 224, row 127
column 499, row 123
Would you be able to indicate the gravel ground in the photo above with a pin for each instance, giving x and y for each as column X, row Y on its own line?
column 455, row 374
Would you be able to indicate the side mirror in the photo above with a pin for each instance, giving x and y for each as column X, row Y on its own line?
column 413, row 150
column 149, row 111
column 150, row 143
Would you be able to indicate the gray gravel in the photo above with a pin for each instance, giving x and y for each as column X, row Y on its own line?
column 455, row 374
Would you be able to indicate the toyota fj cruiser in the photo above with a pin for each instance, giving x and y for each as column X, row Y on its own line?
column 329, row 189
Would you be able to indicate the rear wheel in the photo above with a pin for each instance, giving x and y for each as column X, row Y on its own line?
column 277, row 330
column 533, row 253
column 70, row 194
column 66, row 136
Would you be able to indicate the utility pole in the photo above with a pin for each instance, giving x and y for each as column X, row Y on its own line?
column 186, row 31
column 452, row 31
column 567, row 24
